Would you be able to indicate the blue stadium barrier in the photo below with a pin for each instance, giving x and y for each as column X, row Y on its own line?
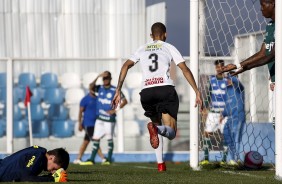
column 16, row 95
column 259, row 137
column 57, row 112
column 40, row 129
column 20, row 128
column 49, row 80
column 3, row 80
column 36, row 112
column 54, row 96
column 27, row 79
column 62, row 128
column 17, row 114
column 2, row 127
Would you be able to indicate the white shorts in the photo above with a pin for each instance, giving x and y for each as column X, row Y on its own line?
column 213, row 124
column 103, row 129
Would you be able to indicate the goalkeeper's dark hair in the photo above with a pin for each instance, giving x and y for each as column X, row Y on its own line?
column 62, row 157
column 158, row 29
column 219, row 61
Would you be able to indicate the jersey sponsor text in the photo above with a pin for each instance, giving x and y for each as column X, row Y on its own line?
column 154, row 80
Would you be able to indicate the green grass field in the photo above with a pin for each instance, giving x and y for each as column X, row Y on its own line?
column 176, row 173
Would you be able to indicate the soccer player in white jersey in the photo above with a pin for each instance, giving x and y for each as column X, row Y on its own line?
column 158, row 96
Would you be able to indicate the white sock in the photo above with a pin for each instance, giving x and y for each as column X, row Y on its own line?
column 166, row 131
column 159, row 150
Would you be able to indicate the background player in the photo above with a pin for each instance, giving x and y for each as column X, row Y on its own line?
column 235, row 112
column 106, row 119
column 27, row 164
column 158, row 96
column 215, row 104
column 266, row 55
column 87, row 118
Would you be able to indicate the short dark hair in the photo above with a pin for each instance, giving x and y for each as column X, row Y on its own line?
column 158, row 28
column 219, row 61
column 62, row 157
column 109, row 75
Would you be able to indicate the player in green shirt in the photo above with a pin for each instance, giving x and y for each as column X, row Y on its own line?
column 266, row 55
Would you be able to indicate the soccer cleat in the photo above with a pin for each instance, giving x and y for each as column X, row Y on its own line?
column 233, row 163
column 222, row 163
column 77, row 161
column 88, row 162
column 105, row 162
column 204, row 162
column 153, row 131
column 161, row 167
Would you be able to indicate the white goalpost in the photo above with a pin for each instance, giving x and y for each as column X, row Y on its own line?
column 194, row 57
column 278, row 83
column 233, row 31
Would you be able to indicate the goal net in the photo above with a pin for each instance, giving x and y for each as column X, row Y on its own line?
column 232, row 31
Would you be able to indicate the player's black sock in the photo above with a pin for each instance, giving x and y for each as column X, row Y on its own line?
column 207, row 145
column 225, row 152
column 111, row 148
column 96, row 145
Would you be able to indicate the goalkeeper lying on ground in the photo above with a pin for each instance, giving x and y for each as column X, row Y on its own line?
column 27, row 164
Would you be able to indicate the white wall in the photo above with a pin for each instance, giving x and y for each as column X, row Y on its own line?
column 71, row 28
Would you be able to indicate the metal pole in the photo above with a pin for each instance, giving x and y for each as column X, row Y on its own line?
column 194, row 66
column 10, row 107
column 278, row 89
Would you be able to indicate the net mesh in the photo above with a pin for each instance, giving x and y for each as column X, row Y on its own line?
column 233, row 31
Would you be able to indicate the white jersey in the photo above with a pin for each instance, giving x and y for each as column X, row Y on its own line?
column 155, row 58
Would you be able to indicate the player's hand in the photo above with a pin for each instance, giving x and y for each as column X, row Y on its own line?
column 80, row 127
column 60, row 175
column 111, row 112
column 116, row 100
column 221, row 119
column 241, row 70
column 199, row 100
column 272, row 86
column 227, row 68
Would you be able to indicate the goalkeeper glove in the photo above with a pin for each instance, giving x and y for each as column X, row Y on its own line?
column 60, row 175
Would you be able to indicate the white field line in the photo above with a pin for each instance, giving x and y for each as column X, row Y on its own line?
column 243, row 174
column 144, row 167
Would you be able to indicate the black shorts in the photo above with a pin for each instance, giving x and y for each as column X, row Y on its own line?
column 88, row 133
column 160, row 99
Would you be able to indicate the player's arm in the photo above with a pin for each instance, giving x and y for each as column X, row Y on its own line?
column 93, row 84
column 125, row 67
column 81, row 110
column 190, row 78
column 261, row 61
column 59, row 176
column 31, row 178
column 123, row 101
column 249, row 61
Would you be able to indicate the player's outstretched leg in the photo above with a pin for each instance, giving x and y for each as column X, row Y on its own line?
column 153, row 131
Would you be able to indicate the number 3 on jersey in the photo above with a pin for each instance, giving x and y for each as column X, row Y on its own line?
column 154, row 58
